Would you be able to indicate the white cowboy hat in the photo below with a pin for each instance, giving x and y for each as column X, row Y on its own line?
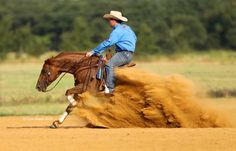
column 115, row 15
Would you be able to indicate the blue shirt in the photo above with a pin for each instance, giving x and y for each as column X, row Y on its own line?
column 122, row 36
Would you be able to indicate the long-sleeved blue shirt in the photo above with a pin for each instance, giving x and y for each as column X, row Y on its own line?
column 122, row 36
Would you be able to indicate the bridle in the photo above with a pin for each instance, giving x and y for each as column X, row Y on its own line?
column 56, row 83
column 88, row 74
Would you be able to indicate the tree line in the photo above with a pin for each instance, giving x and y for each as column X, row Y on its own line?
column 162, row 26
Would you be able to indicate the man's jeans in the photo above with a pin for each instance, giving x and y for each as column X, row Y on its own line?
column 119, row 59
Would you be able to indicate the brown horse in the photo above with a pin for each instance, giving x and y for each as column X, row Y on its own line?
column 84, row 69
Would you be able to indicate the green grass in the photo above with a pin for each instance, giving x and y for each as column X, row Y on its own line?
column 218, row 80
column 18, row 81
column 216, row 56
column 18, row 95
column 32, row 109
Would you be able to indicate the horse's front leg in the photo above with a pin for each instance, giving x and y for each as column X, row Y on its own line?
column 72, row 96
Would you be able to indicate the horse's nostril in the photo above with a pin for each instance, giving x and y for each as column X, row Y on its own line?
column 38, row 87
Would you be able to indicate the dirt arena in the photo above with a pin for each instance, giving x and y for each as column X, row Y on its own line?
column 151, row 113
column 32, row 134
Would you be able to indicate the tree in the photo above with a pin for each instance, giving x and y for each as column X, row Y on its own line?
column 187, row 32
column 26, row 42
column 79, row 39
column 146, row 41
column 161, row 25
column 6, row 42
column 231, row 38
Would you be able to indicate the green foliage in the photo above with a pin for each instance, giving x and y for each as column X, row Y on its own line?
column 187, row 32
column 231, row 37
column 146, row 40
column 26, row 42
column 162, row 26
column 20, row 40
column 6, row 35
column 77, row 39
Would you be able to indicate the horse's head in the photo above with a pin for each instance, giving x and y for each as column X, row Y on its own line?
column 49, row 73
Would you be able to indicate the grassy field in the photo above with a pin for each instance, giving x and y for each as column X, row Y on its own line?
column 18, row 95
column 216, row 79
column 32, row 109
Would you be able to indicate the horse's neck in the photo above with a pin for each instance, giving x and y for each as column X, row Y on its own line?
column 69, row 65
column 71, row 62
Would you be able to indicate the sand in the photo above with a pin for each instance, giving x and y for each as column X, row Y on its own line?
column 148, row 100
column 24, row 137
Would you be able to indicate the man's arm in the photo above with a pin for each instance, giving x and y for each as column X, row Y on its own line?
column 113, row 38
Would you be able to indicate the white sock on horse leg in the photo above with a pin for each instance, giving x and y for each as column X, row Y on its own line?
column 71, row 98
column 63, row 116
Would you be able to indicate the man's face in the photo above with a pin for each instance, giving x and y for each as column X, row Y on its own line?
column 112, row 22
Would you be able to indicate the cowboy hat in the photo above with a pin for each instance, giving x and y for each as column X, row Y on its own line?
column 115, row 15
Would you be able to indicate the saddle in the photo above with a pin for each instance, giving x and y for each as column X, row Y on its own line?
column 102, row 73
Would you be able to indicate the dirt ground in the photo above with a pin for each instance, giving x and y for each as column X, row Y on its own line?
column 23, row 133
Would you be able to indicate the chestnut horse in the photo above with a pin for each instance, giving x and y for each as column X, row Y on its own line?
column 84, row 69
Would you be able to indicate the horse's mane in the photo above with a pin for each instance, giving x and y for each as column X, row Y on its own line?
column 64, row 55
column 69, row 54
column 66, row 58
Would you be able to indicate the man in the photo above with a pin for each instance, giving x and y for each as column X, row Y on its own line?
column 124, row 39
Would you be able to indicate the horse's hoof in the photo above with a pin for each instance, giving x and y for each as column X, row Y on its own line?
column 52, row 126
column 55, row 124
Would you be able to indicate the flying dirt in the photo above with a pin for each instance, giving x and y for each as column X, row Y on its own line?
column 148, row 100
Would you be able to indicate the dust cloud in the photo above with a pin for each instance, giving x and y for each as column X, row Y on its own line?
column 149, row 100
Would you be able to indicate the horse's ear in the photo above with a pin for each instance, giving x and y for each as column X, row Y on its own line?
column 48, row 61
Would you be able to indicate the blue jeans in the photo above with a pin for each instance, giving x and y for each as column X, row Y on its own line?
column 119, row 59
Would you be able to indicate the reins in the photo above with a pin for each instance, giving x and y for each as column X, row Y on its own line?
column 56, row 83
column 86, row 79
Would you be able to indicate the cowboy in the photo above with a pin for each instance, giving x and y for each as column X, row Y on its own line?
column 123, row 37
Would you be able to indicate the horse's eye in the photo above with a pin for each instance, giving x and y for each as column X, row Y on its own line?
column 49, row 73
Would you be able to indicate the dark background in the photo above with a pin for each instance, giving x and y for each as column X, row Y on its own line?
column 162, row 26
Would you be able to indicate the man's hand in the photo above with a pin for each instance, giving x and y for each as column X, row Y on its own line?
column 88, row 54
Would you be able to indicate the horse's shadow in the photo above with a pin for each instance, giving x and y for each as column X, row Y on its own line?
column 61, row 127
